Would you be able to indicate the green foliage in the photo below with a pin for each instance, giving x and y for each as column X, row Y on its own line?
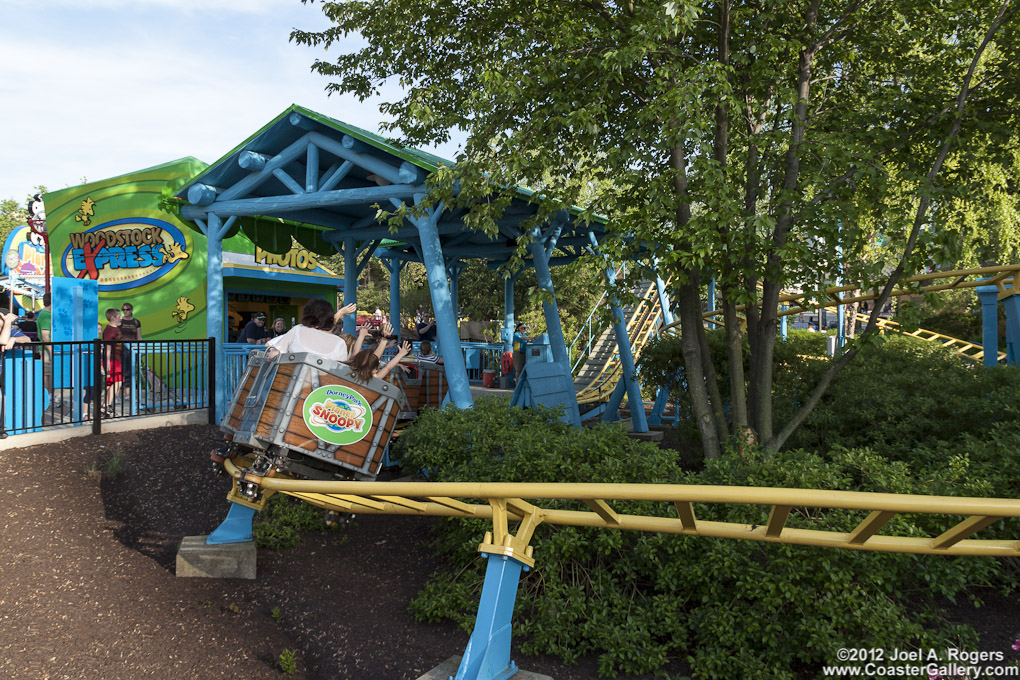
column 276, row 613
column 284, row 520
column 783, row 143
column 732, row 609
column 288, row 662
column 901, row 395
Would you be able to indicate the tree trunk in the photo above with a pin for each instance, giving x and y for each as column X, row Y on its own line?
column 691, row 322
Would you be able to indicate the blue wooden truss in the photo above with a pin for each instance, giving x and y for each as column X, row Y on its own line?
column 321, row 182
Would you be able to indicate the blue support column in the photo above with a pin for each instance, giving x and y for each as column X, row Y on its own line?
column 629, row 381
column 350, row 284
column 989, row 296
column 508, row 313
column 394, row 266
column 1012, row 305
column 487, row 656
column 841, row 322
column 236, row 528
column 442, row 305
column 453, row 272
column 661, row 395
column 710, row 302
column 784, row 330
column 215, row 229
column 557, row 343
column 664, row 303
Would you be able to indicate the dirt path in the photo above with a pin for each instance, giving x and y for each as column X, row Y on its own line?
column 87, row 584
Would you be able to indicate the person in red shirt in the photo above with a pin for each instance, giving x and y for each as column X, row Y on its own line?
column 114, row 372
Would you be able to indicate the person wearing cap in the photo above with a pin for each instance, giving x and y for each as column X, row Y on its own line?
column 520, row 348
column 255, row 332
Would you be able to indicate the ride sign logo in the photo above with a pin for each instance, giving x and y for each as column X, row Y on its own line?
column 125, row 253
column 338, row 415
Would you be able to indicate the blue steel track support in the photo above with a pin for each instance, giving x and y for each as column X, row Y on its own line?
column 557, row 343
column 442, row 305
column 664, row 303
column 710, row 302
column 236, row 528
column 629, row 382
column 661, row 395
column 487, row 656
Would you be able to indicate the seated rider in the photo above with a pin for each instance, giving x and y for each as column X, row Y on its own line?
column 313, row 333
column 426, row 356
column 365, row 362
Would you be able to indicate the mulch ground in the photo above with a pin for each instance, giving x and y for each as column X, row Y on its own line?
column 87, row 584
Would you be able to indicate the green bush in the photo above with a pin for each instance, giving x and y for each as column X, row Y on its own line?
column 284, row 520
column 732, row 609
column 901, row 396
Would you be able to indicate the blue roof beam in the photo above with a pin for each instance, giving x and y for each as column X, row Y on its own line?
column 364, row 196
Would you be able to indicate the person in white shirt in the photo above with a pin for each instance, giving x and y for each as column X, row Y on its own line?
column 313, row 333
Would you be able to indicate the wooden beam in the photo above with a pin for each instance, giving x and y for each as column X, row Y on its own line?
column 364, row 196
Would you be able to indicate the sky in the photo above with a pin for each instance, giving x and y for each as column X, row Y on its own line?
column 92, row 89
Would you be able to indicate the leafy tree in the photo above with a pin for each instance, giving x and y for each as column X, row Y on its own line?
column 747, row 141
column 12, row 215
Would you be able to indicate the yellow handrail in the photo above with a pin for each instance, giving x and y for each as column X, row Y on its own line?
column 679, row 516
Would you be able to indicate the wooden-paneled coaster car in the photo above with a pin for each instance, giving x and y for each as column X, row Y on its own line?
column 424, row 386
column 305, row 416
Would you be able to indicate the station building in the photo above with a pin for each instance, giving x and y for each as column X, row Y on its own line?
column 123, row 233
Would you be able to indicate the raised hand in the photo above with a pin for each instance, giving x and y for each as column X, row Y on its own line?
column 387, row 329
column 344, row 311
column 404, row 350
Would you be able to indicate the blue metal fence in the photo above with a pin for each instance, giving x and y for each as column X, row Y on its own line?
column 54, row 384
column 479, row 357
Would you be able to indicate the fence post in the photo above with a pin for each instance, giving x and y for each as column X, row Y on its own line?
column 98, row 386
column 211, row 393
column 3, row 397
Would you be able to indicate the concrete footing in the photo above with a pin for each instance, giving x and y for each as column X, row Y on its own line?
column 195, row 558
column 448, row 669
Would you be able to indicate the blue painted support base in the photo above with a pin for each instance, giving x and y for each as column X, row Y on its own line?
column 612, row 412
column 1012, row 305
column 989, row 296
column 547, row 383
column 661, row 396
column 487, row 656
column 236, row 528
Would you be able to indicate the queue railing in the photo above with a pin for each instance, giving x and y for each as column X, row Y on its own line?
column 59, row 384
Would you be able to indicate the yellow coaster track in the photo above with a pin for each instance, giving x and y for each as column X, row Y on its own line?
column 968, row 350
column 1004, row 278
column 640, row 328
column 503, row 502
